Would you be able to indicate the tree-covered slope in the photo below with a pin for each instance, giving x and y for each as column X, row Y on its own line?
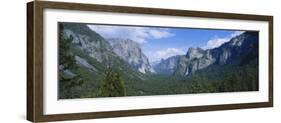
column 93, row 57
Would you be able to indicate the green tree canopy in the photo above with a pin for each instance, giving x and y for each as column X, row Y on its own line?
column 113, row 84
column 67, row 78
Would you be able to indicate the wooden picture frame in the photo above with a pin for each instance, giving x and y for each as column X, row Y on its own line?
column 35, row 60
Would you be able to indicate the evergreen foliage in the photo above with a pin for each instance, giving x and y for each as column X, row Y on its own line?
column 113, row 85
column 67, row 79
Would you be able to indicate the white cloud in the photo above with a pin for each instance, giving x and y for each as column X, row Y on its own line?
column 160, row 33
column 213, row 43
column 164, row 54
column 138, row 34
column 236, row 33
column 216, row 42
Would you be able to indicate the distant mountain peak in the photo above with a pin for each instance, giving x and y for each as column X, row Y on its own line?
column 195, row 53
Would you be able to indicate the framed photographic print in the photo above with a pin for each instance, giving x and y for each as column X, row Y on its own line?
column 96, row 61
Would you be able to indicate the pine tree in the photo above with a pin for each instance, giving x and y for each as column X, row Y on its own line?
column 67, row 63
column 113, row 85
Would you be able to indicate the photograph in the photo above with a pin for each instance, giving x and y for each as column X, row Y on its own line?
column 103, row 60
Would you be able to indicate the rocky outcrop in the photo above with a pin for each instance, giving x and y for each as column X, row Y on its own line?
column 84, row 63
column 89, row 41
column 131, row 52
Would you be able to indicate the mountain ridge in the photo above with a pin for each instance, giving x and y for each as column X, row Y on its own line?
column 102, row 49
column 197, row 58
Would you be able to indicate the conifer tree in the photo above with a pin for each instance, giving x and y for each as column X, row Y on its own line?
column 113, row 85
column 67, row 63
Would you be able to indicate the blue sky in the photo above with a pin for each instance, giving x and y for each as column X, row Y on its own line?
column 161, row 43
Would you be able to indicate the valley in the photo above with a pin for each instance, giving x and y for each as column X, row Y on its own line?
column 92, row 66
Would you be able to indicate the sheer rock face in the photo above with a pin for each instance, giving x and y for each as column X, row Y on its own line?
column 195, row 59
column 106, row 50
column 89, row 41
column 193, row 53
column 131, row 52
